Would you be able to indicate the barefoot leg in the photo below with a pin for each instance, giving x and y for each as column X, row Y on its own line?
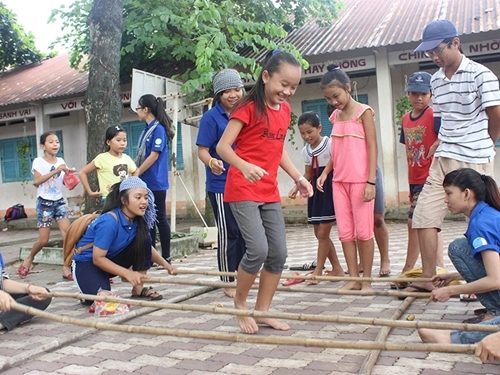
column 243, row 284
column 267, row 287
column 366, row 249
column 435, row 336
column 43, row 239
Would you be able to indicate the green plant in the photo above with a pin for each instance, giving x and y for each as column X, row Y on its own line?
column 292, row 131
column 403, row 105
column 23, row 152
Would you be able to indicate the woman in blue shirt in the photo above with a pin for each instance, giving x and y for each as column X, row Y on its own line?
column 121, row 244
column 152, row 162
column 228, row 89
column 476, row 257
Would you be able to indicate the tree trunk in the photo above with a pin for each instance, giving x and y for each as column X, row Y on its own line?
column 103, row 106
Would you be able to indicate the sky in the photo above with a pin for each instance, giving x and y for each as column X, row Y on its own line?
column 33, row 16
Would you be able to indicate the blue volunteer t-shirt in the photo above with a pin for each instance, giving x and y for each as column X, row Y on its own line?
column 156, row 177
column 212, row 126
column 483, row 232
column 107, row 233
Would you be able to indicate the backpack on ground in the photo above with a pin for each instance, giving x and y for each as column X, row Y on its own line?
column 15, row 212
column 76, row 231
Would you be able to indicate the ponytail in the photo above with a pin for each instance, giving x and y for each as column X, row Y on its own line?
column 335, row 77
column 157, row 108
column 484, row 187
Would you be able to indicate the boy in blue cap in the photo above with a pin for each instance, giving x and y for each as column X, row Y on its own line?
column 467, row 104
column 419, row 135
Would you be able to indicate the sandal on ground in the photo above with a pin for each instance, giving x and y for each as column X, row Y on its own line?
column 305, row 267
column 468, row 297
column 290, row 282
column 480, row 311
column 148, row 293
column 23, row 271
column 69, row 277
column 475, row 319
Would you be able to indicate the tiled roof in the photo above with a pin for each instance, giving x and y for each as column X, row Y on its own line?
column 375, row 23
column 43, row 80
column 361, row 24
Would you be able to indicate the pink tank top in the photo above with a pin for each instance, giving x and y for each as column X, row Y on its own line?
column 349, row 148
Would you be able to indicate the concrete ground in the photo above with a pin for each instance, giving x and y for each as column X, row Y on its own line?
column 47, row 347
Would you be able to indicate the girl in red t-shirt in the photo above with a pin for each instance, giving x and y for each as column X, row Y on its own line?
column 257, row 128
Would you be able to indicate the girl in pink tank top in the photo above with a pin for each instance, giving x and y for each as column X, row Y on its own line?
column 354, row 162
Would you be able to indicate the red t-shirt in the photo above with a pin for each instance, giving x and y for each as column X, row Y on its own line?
column 419, row 135
column 259, row 142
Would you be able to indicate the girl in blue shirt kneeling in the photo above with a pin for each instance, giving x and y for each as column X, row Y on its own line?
column 120, row 242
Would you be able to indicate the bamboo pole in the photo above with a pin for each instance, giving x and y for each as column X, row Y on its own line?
column 288, row 316
column 216, row 284
column 309, row 277
column 371, row 359
column 238, row 337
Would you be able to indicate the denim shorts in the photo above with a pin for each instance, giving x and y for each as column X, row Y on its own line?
column 471, row 337
column 46, row 210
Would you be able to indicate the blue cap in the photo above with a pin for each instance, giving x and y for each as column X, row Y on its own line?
column 419, row 82
column 435, row 33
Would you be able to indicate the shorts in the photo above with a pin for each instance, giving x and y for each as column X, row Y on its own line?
column 431, row 209
column 46, row 210
column 415, row 190
column 262, row 226
column 379, row 207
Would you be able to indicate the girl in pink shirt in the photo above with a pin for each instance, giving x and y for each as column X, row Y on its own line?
column 354, row 161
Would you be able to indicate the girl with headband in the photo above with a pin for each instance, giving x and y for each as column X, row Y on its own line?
column 120, row 243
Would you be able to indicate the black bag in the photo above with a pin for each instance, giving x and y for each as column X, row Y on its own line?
column 15, row 212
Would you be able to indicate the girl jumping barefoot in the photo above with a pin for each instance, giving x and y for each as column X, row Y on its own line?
column 257, row 128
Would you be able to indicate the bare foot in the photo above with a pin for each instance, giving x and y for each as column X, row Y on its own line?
column 337, row 272
column 273, row 323
column 385, row 269
column 316, row 272
column 246, row 323
column 351, row 285
column 435, row 336
column 366, row 286
column 230, row 292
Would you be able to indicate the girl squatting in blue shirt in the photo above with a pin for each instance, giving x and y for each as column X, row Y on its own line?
column 476, row 257
column 121, row 244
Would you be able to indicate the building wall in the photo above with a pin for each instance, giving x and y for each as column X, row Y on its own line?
column 193, row 176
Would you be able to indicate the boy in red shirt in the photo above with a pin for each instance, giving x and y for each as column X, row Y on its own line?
column 419, row 135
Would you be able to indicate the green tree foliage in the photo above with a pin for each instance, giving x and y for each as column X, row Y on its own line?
column 16, row 46
column 206, row 35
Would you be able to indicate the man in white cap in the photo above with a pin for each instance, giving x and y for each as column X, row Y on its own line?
column 466, row 101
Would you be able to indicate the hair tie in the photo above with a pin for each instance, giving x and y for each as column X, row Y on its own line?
column 118, row 127
column 276, row 51
column 483, row 177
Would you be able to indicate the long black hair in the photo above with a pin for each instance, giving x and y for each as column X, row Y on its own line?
column 118, row 199
column 157, row 108
column 484, row 187
column 272, row 64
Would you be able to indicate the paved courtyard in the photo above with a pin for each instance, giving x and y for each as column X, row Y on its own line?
column 47, row 347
